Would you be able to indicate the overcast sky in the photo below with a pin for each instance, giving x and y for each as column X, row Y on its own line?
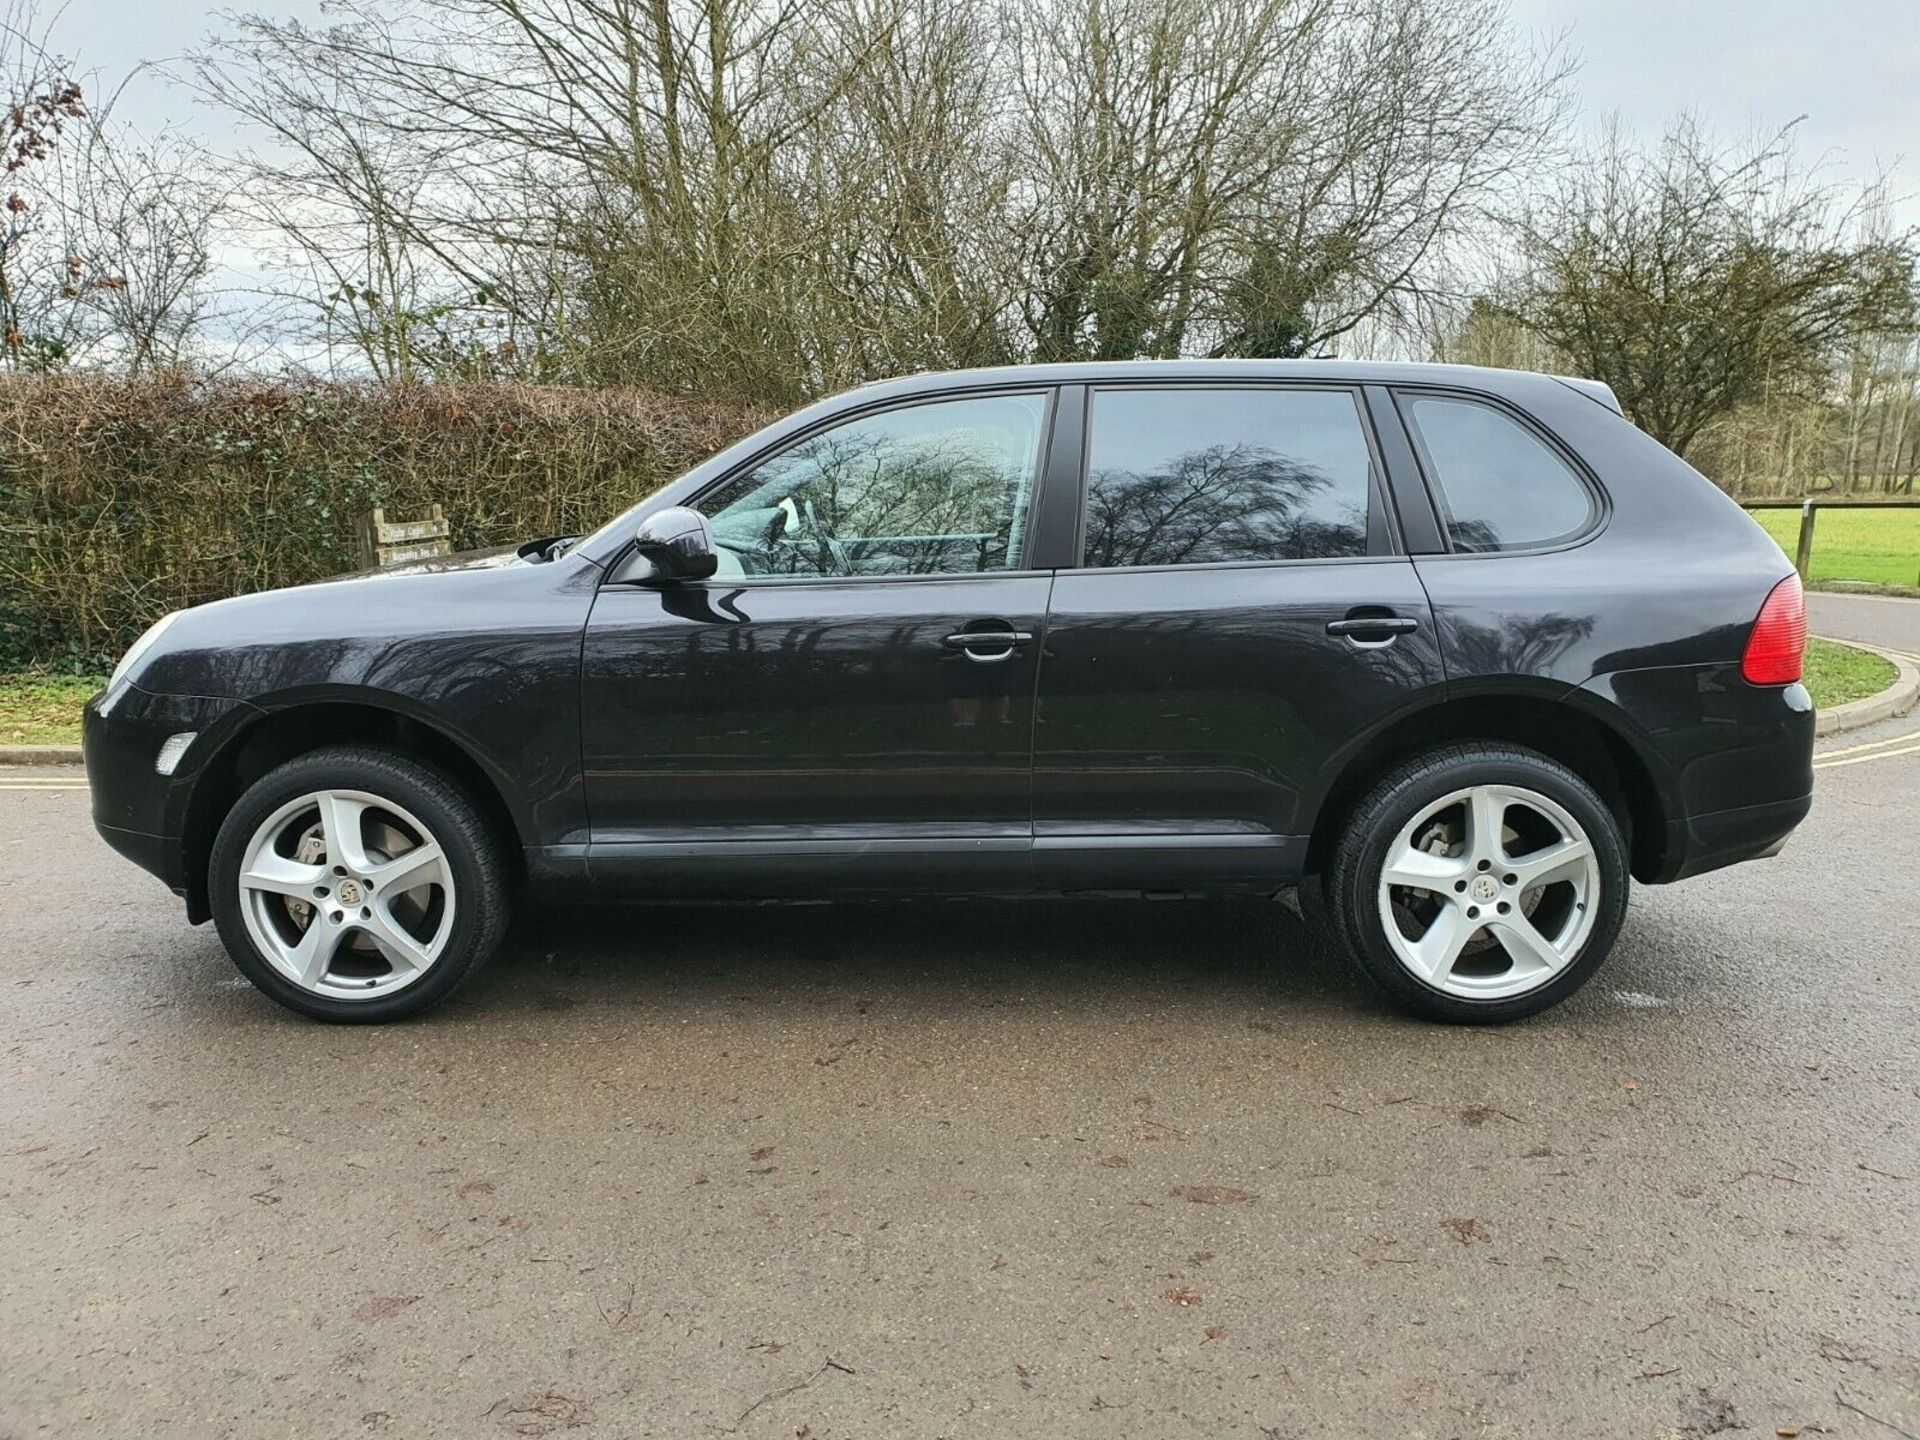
column 1852, row 67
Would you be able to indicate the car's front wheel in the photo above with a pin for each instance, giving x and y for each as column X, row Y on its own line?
column 1479, row 882
column 355, row 883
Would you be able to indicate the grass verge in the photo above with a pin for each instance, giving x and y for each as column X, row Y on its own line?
column 1838, row 673
column 44, row 709
column 1880, row 546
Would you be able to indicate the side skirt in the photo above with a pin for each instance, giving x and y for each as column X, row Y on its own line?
column 844, row 867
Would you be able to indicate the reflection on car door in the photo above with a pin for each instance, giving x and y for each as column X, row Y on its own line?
column 1239, row 616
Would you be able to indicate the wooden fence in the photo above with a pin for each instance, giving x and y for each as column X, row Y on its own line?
column 1809, row 513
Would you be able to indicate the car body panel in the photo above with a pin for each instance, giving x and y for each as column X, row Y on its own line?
column 1733, row 761
column 485, row 653
column 1205, row 701
column 827, row 720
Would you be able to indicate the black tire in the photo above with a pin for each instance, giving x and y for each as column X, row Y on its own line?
column 473, row 857
column 1316, row 914
column 1352, row 877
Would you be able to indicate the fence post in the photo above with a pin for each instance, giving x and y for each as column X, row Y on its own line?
column 366, row 535
column 1803, row 552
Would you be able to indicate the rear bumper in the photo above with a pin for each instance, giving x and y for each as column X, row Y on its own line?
column 1731, row 763
column 1747, row 832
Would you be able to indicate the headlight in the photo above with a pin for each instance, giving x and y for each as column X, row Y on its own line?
column 138, row 649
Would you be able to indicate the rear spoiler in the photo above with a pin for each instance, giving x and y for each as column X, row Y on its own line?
column 1597, row 391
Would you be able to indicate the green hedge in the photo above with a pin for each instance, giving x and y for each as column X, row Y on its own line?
column 122, row 499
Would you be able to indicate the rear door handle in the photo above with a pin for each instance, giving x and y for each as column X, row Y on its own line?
column 1373, row 629
column 988, row 646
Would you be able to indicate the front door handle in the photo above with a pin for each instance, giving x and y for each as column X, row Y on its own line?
column 1372, row 630
column 988, row 646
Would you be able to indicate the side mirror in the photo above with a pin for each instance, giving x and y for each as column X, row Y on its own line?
column 678, row 544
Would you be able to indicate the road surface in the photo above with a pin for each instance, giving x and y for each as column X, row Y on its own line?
column 1884, row 620
column 971, row 1170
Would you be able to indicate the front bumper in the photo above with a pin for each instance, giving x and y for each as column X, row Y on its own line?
column 141, row 813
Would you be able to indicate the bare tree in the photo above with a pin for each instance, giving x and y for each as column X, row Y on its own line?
column 1257, row 177
column 1695, row 280
column 140, row 217
column 41, row 104
column 1485, row 332
column 105, row 241
column 907, row 186
column 778, row 196
column 640, row 150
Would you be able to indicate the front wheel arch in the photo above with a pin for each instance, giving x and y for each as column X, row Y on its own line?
column 280, row 735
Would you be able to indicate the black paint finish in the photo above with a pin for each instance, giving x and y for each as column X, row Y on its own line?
column 805, row 718
column 1207, row 701
column 1168, row 727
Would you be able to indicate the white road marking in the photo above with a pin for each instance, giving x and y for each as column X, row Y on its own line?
column 1862, row 759
column 1868, row 745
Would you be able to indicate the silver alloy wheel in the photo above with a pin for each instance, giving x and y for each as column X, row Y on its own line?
column 1489, row 892
column 346, row 894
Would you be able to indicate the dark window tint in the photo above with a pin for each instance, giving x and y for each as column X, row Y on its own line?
column 1501, row 487
column 1190, row 476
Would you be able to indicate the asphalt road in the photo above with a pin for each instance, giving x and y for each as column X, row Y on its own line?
column 970, row 1170
column 1892, row 624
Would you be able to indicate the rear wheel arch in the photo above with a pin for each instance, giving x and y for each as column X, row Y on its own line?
column 283, row 734
column 1559, row 727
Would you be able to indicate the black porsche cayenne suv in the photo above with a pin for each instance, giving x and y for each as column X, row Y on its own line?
column 1457, row 650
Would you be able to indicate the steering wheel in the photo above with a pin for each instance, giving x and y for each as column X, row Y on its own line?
column 830, row 547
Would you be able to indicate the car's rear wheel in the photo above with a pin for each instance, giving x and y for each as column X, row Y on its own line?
column 357, row 884
column 1479, row 882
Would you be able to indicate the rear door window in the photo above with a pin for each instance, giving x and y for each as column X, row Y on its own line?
column 1196, row 475
column 1498, row 485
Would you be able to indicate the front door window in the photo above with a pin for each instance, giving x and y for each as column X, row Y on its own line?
column 936, row 489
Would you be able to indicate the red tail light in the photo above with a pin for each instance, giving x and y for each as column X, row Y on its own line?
column 1779, row 637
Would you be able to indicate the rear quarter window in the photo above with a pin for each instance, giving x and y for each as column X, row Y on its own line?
column 1497, row 484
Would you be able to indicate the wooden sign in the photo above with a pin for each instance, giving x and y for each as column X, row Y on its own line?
column 385, row 542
